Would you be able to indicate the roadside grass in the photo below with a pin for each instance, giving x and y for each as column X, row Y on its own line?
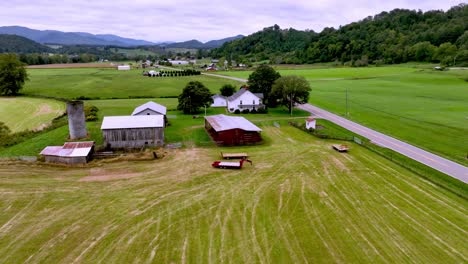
column 110, row 84
column 300, row 201
column 23, row 113
column 411, row 102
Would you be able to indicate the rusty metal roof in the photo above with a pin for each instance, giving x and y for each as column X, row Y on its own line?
column 224, row 122
column 69, row 149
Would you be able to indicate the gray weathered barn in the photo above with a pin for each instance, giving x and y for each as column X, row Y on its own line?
column 69, row 153
column 133, row 131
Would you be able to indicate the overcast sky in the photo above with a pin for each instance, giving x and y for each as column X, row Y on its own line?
column 180, row 20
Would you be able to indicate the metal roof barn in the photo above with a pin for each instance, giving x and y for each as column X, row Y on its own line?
column 232, row 130
column 150, row 108
column 133, row 131
column 69, row 153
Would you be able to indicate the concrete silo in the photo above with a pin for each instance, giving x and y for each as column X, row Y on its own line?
column 76, row 119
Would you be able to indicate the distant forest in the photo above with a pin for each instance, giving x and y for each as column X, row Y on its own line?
column 397, row 36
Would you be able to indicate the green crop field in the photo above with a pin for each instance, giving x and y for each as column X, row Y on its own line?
column 299, row 202
column 21, row 113
column 109, row 83
column 420, row 106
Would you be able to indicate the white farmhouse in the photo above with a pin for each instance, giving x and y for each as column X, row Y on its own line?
column 219, row 101
column 244, row 99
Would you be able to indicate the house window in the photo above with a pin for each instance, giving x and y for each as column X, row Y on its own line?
column 240, row 101
column 253, row 102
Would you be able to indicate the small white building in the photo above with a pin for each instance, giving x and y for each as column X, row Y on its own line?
column 123, row 67
column 219, row 101
column 244, row 99
column 179, row 62
column 310, row 123
column 150, row 108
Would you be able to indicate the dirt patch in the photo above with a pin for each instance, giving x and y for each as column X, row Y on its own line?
column 43, row 110
column 340, row 165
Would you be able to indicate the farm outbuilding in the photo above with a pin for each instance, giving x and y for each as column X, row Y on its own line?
column 310, row 123
column 69, row 153
column 219, row 101
column 133, row 131
column 150, row 108
column 232, row 130
column 123, row 67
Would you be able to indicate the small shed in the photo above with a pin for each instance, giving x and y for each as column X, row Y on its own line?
column 133, row 131
column 219, row 101
column 69, row 153
column 123, row 67
column 310, row 123
column 232, row 130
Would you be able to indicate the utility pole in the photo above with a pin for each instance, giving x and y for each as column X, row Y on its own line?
column 347, row 113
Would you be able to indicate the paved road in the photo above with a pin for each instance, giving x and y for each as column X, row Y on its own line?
column 446, row 166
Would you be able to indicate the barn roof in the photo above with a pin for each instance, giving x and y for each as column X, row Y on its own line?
column 224, row 122
column 69, row 149
column 241, row 92
column 144, row 121
column 152, row 106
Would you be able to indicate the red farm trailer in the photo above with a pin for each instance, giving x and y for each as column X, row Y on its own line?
column 230, row 165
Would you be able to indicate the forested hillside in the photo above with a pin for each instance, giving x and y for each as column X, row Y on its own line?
column 18, row 44
column 389, row 37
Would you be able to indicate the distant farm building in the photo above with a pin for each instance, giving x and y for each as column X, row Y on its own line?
column 69, row 153
column 232, row 130
column 123, row 67
column 244, row 99
column 150, row 108
column 133, row 131
column 219, row 101
column 310, row 123
column 178, row 62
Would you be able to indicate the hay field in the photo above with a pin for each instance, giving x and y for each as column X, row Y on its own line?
column 301, row 202
column 22, row 113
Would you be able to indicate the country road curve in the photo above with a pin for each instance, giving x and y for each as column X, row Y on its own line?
column 436, row 162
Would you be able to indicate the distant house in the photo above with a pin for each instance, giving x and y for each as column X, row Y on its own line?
column 219, row 101
column 69, row 153
column 232, row 130
column 244, row 99
column 178, row 62
column 133, row 131
column 310, row 123
column 123, row 67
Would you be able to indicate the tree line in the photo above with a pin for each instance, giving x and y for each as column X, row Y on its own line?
column 391, row 37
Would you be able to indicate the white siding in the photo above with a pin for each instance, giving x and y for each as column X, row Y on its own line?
column 247, row 98
column 219, row 102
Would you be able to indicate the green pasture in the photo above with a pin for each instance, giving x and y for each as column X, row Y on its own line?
column 22, row 113
column 300, row 202
column 110, row 83
column 423, row 107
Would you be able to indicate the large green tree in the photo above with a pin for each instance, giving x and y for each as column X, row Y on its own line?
column 12, row 74
column 194, row 96
column 227, row 90
column 261, row 81
column 288, row 90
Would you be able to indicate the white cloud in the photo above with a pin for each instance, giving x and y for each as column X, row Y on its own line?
column 180, row 20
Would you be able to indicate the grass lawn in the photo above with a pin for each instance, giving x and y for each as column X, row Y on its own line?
column 420, row 106
column 22, row 113
column 300, row 202
column 110, row 83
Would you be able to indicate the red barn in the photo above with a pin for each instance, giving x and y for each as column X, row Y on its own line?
column 232, row 130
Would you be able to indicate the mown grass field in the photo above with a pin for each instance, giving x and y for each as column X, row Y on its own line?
column 21, row 113
column 109, row 83
column 420, row 106
column 300, row 202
